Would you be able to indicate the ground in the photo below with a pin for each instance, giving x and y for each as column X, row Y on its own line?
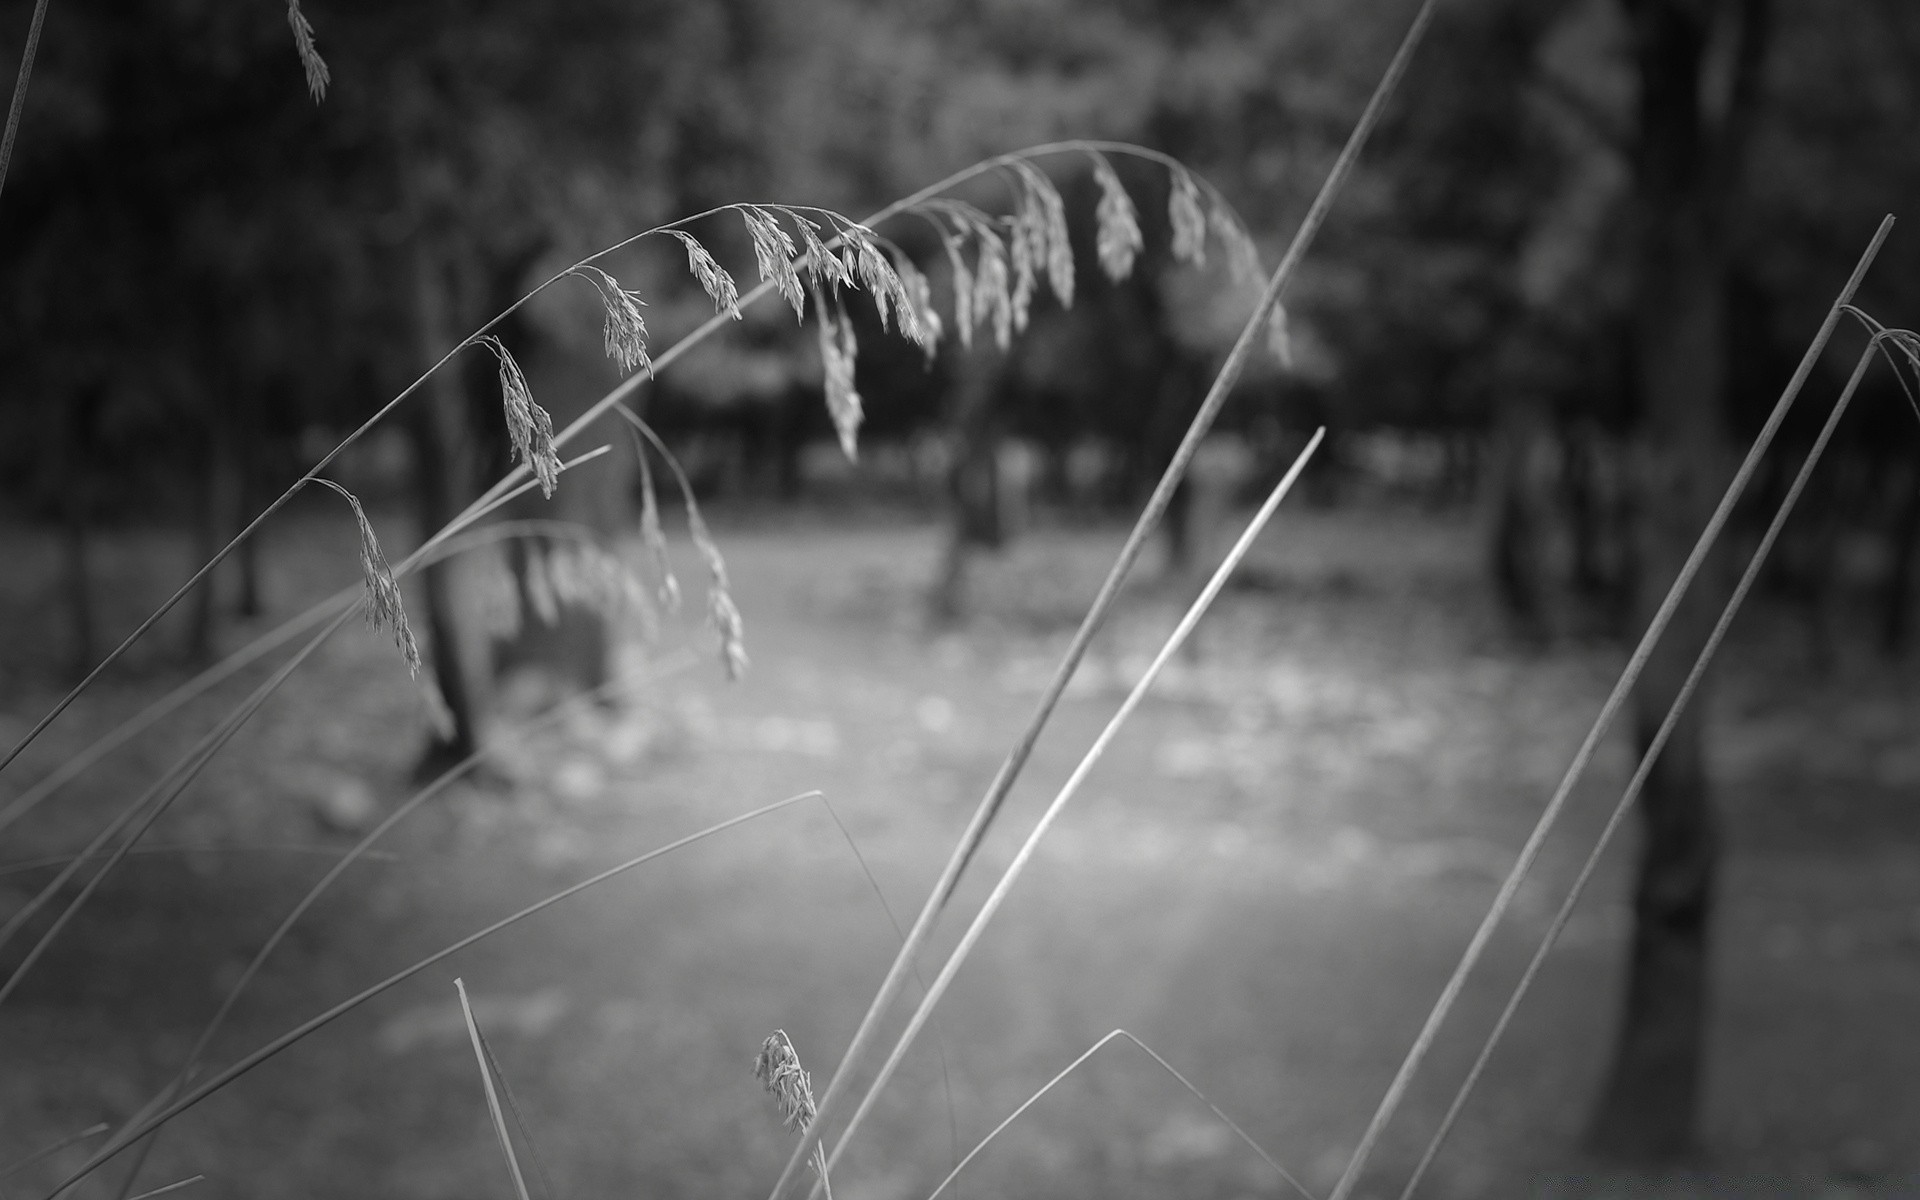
column 1267, row 881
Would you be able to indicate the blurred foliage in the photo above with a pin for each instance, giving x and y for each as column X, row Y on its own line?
column 186, row 233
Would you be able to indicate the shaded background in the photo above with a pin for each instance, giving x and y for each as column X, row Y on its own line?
column 1573, row 271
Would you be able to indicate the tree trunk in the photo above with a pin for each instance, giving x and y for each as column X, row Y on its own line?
column 444, row 479
column 1685, row 158
column 972, row 484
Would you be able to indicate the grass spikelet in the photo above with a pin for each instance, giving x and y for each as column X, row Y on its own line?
column 1118, row 240
column 990, row 294
column 1045, row 215
column 1279, row 341
column 778, row 1069
column 721, row 610
column 626, row 331
column 876, row 274
column 955, row 244
column 528, row 425
column 1188, row 219
column 1022, row 255
column 823, row 265
column 1243, row 258
column 773, row 252
column 713, row 278
column 652, row 536
column 383, row 607
column 919, row 319
column 316, row 68
column 837, row 352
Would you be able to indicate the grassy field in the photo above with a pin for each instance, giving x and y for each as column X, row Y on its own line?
column 1267, row 882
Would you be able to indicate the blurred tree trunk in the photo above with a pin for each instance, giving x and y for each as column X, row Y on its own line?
column 1698, row 63
column 973, row 488
column 445, row 456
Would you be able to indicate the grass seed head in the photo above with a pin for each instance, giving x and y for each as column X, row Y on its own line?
column 1243, row 258
column 773, row 252
column 778, row 1068
column 990, row 294
column 837, row 353
column 822, row 264
column 919, row 320
column 626, row 331
column 1118, row 239
column 713, row 278
column 655, row 539
column 384, row 608
column 1188, row 219
column 722, row 612
column 962, row 286
column 316, row 68
column 528, row 425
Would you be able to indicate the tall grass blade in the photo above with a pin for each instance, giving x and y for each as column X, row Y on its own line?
column 236, row 1070
column 1004, row 885
column 493, row 1100
column 1285, row 1175
column 1634, row 785
column 175, row 1186
column 1096, row 614
column 20, row 88
column 1510, row 886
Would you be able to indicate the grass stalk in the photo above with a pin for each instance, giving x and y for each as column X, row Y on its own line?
column 1645, row 768
column 493, row 1100
column 1004, row 885
column 227, row 1075
column 160, row 795
column 1510, row 886
column 19, row 103
column 1285, row 1175
column 1096, row 614
column 362, row 849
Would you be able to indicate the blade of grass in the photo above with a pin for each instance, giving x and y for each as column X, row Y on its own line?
column 19, row 102
column 519, row 1117
column 362, row 848
column 160, row 795
column 1285, row 1175
column 201, row 1091
column 21, row 1164
column 175, row 1186
column 1510, row 886
column 1096, row 614
column 1004, row 885
column 1632, row 793
column 55, row 860
column 493, row 1101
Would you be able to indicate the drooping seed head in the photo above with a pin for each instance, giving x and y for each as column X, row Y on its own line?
column 778, row 1069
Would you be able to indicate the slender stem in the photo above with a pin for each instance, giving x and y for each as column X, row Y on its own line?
column 1510, row 887
column 20, row 88
column 493, row 1099
column 221, row 1080
column 1004, row 886
column 1285, row 1175
column 1003, row 781
column 1632, row 793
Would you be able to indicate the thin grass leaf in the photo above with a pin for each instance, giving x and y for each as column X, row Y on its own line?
column 20, row 1164
column 1622, row 688
column 1117, row 240
column 1643, row 771
column 1004, row 885
column 837, row 352
column 493, row 1100
column 773, row 253
column 528, row 425
column 175, row 1186
column 317, row 74
column 712, row 277
column 363, row 850
column 1187, row 218
column 301, row 1031
column 626, row 330
column 1285, row 1175
column 384, row 609
column 519, row 1116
